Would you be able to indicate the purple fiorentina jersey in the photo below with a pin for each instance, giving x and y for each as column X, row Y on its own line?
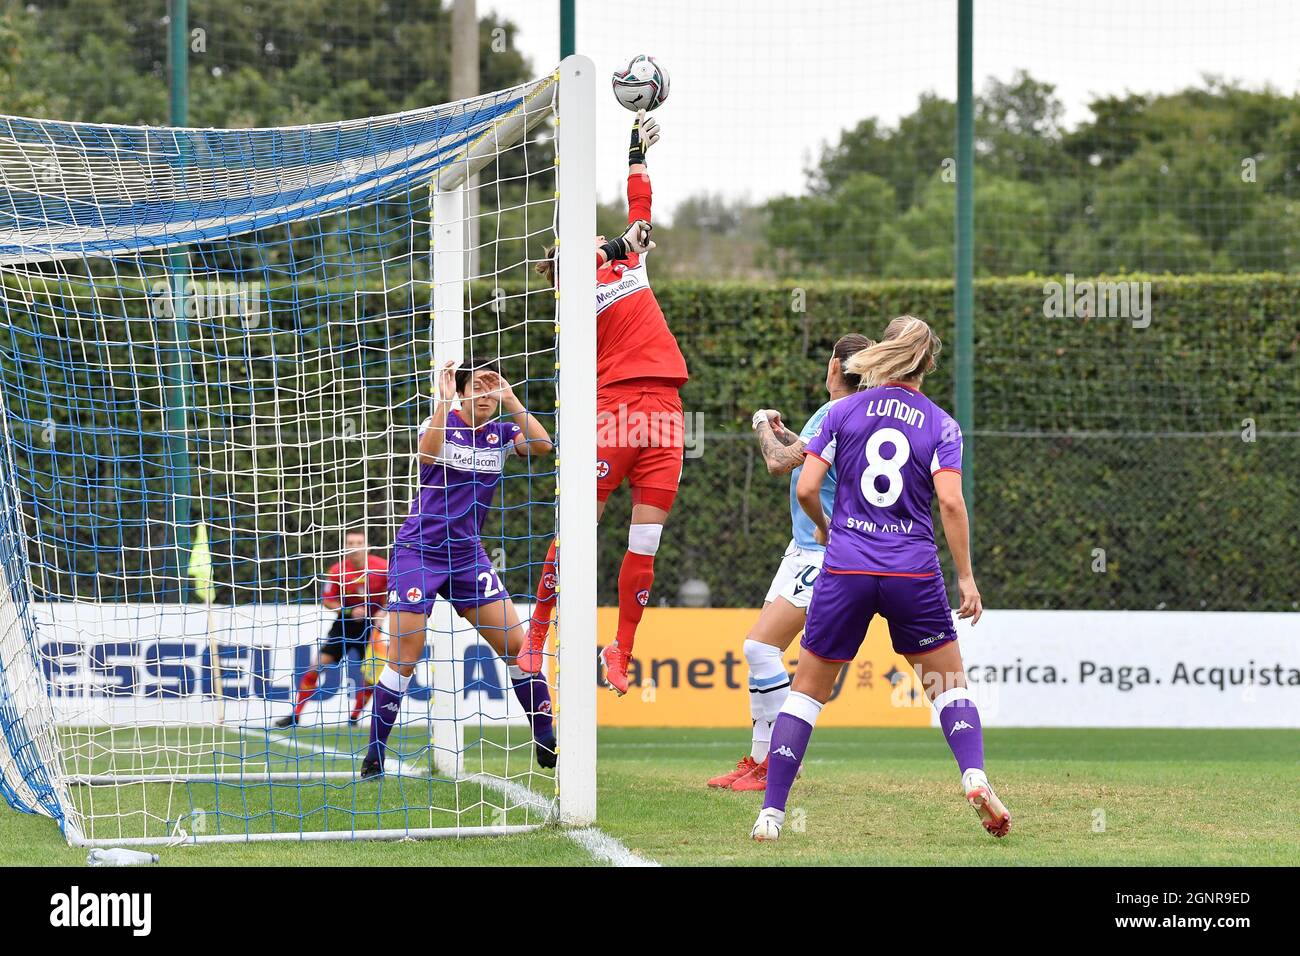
column 887, row 444
column 456, row 491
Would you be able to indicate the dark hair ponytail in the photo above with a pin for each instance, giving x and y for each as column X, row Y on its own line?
column 849, row 345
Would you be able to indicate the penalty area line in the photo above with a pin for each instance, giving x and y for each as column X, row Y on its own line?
column 598, row 844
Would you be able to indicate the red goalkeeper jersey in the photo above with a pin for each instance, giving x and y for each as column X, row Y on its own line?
column 355, row 586
column 632, row 336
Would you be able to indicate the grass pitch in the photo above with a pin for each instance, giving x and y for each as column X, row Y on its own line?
column 874, row 797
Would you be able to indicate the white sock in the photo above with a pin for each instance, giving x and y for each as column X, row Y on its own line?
column 769, row 686
column 393, row 680
column 762, row 726
column 803, row 707
column 762, row 740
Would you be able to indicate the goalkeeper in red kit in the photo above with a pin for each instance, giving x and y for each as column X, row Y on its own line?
column 640, row 429
column 355, row 589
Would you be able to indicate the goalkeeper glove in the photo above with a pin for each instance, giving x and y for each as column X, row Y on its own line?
column 645, row 133
column 636, row 239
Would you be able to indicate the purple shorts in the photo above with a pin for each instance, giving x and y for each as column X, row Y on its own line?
column 416, row 577
column 917, row 610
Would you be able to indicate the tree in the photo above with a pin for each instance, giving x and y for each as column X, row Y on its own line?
column 1182, row 181
column 904, row 158
column 838, row 233
column 1018, row 128
column 251, row 64
column 1270, row 240
column 920, row 243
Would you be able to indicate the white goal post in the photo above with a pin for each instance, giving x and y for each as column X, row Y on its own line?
column 576, row 306
column 137, row 707
column 575, row 298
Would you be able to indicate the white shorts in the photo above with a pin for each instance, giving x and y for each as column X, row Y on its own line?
column 795, row 577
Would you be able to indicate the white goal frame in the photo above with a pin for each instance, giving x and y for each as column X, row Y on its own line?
column 575, row 623
column 576, row 413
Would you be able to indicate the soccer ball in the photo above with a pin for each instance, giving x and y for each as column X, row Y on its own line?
column 643, row 85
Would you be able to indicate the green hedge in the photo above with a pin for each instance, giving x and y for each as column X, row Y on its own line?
column 1089, row 434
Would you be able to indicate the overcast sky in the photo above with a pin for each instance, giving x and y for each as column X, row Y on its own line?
column 758, row 85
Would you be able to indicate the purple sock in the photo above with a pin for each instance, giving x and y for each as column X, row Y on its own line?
column 789, row 741
column 384, row 708
column 960, row 720
column 535, row 697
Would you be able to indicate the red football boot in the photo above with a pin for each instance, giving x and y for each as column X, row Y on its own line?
column 756, row 779
column 530, row 657
column 743, row 768
column 614, row 660
column 992, row 813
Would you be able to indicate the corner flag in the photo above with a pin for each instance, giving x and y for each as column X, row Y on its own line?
column 201, row 566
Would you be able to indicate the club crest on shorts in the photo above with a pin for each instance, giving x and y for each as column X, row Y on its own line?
column 602, row 468
column 413, row 595
column 548, row 581
column 643, row 596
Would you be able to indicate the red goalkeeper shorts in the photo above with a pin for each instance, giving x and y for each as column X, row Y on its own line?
column 640, row 436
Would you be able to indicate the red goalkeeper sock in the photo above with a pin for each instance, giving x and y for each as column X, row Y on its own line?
column 634, row 580
column 359, row 702
column 546, row 590
column 306, row 688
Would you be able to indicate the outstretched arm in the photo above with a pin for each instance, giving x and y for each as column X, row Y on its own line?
column 645, row 133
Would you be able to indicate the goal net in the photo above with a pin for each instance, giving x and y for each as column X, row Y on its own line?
column 217, row 350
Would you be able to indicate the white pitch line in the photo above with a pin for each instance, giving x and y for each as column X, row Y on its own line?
column 407, row 769
column 599, row 844
column 292, row 743
column 604, row 847
column 521, row 795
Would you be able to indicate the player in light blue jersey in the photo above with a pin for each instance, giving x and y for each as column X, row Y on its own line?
column 787, row 599
column 895, row 452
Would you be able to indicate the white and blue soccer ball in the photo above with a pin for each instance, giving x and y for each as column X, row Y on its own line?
column 642, row 85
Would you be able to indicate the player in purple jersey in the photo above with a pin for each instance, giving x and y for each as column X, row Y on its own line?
column 894, row 451
column 462, row 452
column 786, row 604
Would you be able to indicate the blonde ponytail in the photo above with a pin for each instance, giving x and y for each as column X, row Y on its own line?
column 906, row 352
